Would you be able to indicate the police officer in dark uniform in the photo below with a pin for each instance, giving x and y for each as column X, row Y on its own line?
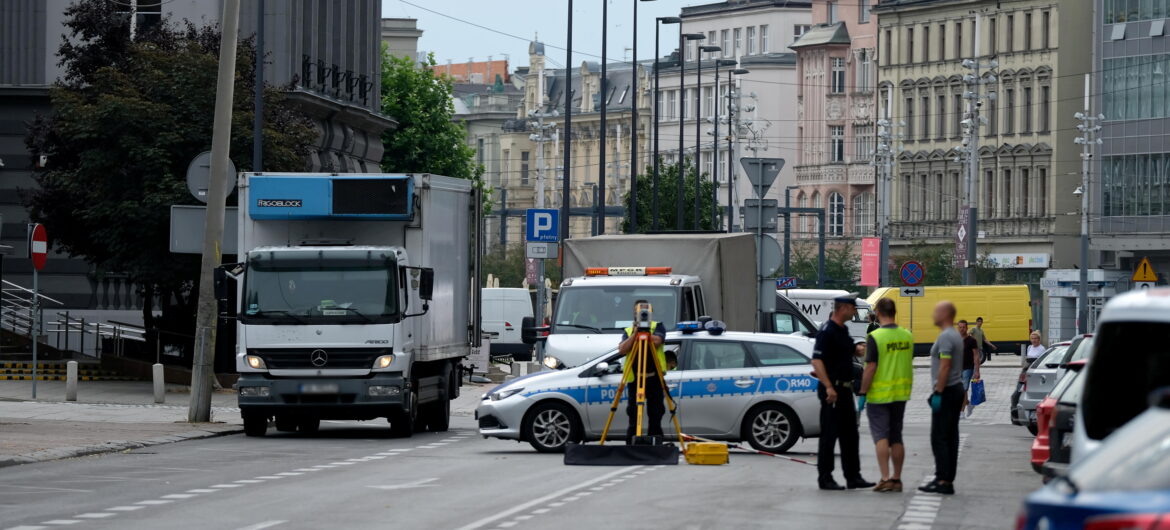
column 833, row 364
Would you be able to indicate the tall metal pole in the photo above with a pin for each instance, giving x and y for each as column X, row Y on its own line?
column 634, row 169
column 788, row 231
column 730, row 158
column 682, row 98
column 1085, row 140
column 565, row 177
column 202, row 371
column 973, row 164
column 36, row 328
column 599, row 211
column 258, row 96
column 657, row 119
column 886, row 153
column 698, row 131
column 715, row 224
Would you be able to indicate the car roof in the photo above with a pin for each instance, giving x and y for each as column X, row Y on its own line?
column 653, row 279
column 1142, row 305
column 741, row 336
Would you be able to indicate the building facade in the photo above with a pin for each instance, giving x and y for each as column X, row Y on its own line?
column 1028, row 165
column 400, row 35
column 1131, row 198
column 837, row 68
column 475, row 72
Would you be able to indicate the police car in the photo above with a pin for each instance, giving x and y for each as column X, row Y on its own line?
column 729, row 386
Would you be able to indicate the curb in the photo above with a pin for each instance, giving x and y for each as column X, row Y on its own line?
column 48, row 455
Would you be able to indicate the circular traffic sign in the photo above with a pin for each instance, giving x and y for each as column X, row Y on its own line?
column 38, row 246
column 912, row 273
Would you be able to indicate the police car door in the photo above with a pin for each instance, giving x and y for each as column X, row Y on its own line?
column 718, row 380
column 600, row 392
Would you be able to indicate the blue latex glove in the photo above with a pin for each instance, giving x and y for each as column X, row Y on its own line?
column 935, row 401
column 860, row 404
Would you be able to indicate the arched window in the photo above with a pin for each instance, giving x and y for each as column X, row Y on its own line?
column 814, row 222
column 863, row 210
column 802, row 225
column 836, row 215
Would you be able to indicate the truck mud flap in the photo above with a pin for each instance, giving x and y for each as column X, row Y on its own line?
column 430, row 389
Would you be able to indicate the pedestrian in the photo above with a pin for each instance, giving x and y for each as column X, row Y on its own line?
column 1035, row 349
column 833, row 366
column 873, row 323
column 946, row 402
column 981, row 339
column 970, row 367
column 885, row 387
column 655, row 398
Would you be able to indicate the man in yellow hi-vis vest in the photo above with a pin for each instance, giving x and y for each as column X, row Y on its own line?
column 889, row 376
column 655, row 399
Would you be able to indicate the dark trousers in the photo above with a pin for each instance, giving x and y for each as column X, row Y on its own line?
column 838, row 422
column 944, row 433
column 655, row 407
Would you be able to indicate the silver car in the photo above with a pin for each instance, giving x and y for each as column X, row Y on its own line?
column 730, row 386
column 1044, row 373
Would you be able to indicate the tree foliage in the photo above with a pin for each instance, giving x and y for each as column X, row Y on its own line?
column 509, row 265
column 939, row 262
column 427, row 139
column 842, row 269
column 127, row 119
column 667, row 204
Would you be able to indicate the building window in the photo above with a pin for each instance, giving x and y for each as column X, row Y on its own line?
column 863, row 11
column 958, row 39
column 688, row 106
column 992, row 35
column 838, row 79
column 837, row 143
column 764, row 39
column 690, row 51
column 958, row 115
column 1042, row 191
column 1025, row 201
column 1027, row 109
column 1006, row 193
column 925, row 117
column 888, row 45
column 145, row 14
column 711, row 40
column 834, row 16
column 909, row 111
column 993, row 117
column 1045, row 107
column 751, row 40
column 1009, row 111
column 988, row 207
column 942, row 42
column 708, row 101
column 863, row 214
column 1027, row 31
column 836, row 214
column 802, row 224
column 865, row 76
column 725, row 38
column 1011, row 33
column 670, row 102
column 479, row 151
column 708, row 163
column 940, row 116
column 926, row 41
column 524, row 168
column 1045, row 31
column 863, row 143
column 798, row 30
column 909, row 45
column 905, row 199
column 738, row 42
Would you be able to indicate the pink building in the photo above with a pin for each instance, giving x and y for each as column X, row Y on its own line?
column 836, row 124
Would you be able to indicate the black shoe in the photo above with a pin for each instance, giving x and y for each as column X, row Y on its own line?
column 829, row 484
column 858, row 483
column 938, row 487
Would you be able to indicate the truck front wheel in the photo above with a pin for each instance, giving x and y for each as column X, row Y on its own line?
column 402, row 423
column 255, row 424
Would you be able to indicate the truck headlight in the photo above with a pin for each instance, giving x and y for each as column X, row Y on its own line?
column 553, row 362
column 506, row 393
column 255, row 362
column 255, row 391
column 383, row 362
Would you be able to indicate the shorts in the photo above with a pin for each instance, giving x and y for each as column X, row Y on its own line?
column 885, row 421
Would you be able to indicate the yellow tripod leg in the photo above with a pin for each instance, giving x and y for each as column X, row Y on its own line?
column 640, row 348
column 661, row 370
column 617, row 398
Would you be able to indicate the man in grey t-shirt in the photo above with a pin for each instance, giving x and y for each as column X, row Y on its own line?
column 946, row 402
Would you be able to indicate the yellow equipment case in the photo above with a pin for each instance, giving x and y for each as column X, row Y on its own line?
column 706, row 453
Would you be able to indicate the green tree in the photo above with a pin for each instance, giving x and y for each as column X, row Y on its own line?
column 667, row 205
column 510, row 266
column 939, row 262
column 127, row 119
column 842, row 268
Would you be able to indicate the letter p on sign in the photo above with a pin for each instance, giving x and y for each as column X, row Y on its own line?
column 543, row 226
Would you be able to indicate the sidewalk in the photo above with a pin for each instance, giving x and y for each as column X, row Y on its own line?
column 1006, row 360
column 108, row 416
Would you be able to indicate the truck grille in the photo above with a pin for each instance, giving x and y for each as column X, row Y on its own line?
column 320, row 358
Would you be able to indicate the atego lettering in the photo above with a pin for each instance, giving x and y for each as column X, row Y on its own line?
column 279, row 203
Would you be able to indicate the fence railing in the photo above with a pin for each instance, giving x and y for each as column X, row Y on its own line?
column 18, row 309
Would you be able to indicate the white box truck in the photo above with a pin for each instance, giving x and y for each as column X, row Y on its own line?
column 683, row 276
column 358, row 297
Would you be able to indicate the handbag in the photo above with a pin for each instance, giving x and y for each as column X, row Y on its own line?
column 978, row 394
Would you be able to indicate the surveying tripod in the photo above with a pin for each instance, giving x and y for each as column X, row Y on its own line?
column 637, row 359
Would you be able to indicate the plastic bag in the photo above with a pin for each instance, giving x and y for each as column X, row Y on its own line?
column 978, row 394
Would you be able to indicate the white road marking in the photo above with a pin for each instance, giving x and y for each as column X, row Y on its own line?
column 422, row 483
column 268, row 477
column 541, row 500
column 178, row 496
column 95, row 515
column 155, row 502
column 227, row 485
column 541, row 511
column 62, row 490
column 341, row 463
column 202, row 491
column 62, row 522
column 26, row 527
column 124, row 508
column 290, row 474
column 263, row 525
column 305, row 469
column 249, row 481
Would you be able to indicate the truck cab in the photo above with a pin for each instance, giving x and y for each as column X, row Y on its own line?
column 593, row 310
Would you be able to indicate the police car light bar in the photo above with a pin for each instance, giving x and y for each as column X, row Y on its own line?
column 627, row 271
column 688, row 327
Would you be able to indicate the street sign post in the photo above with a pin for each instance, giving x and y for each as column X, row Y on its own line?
column 1144, row 276
column 961, row 235
column 762, row 172
column 912, row 273
column 38, row 251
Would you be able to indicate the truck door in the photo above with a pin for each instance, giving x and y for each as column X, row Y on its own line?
column 700, row 302
column 688, row 305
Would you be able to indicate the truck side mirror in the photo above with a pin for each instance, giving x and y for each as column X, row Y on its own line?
column 426, row 284
column 220, row 278
column 530, row 332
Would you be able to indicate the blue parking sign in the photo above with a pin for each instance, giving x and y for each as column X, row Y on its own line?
column 543, row 226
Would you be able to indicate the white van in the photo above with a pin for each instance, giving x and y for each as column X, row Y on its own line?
column 817, row 305
column 504, row 310
column 1129, row 359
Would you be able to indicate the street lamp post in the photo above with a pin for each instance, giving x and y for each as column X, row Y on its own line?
column 565, row 210
column 634, row 128
column 657, row 116
column 682, row 118
column 715, row 139
column 731, row 159
column 599, row 211
column 699, row 123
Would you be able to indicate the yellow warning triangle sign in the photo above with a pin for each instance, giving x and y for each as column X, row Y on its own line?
column 1144, row 272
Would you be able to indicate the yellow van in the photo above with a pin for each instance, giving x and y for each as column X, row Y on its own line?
column 1006, row 312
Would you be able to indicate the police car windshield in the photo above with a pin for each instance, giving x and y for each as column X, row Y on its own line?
column 611, row 309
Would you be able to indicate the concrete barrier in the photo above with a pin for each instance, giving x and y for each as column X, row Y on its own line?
column 160, row 390
column 71, row 381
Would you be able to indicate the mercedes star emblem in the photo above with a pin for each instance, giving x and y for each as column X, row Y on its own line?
column 318, row 358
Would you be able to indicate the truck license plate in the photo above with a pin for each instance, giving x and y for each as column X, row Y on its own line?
column 319, row 389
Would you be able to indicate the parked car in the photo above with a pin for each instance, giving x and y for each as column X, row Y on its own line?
column 1039, row 379
column 504, row 310
column 1044, row 412
column 1124, row 484
column 728, row 386
column 1130, row 359
column 1061, row 423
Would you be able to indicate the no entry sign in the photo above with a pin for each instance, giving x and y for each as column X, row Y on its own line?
column 38, row 246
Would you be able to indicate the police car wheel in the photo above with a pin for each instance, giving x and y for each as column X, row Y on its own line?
column 771, row 427
column 550, row 425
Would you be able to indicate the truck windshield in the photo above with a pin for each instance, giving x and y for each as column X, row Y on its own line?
column 611, row 309
column 320, row 295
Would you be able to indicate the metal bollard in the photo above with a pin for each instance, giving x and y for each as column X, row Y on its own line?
column 71, row 381
column 159, row 384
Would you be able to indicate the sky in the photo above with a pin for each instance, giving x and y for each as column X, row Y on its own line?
column 459, row 41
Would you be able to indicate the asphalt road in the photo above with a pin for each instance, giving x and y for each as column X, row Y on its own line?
column 352, row 475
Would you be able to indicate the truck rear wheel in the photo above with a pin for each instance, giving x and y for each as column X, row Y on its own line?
column 255, row 424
